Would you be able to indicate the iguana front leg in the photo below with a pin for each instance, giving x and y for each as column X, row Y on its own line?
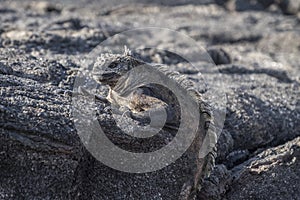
column 140, row 107
column 149, row 108
column 83, row 91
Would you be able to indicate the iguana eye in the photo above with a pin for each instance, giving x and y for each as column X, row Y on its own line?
column 112, row 65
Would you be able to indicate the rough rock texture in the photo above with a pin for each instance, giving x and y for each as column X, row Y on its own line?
column 257, row 52
column 275, row 171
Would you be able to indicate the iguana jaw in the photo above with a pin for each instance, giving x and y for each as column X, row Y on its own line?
column 109, row 78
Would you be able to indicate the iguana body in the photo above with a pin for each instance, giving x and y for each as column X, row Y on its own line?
column 110, row 70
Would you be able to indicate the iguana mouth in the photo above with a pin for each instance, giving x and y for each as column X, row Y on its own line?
column 105, row 76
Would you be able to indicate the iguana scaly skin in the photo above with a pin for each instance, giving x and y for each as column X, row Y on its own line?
column 109, row 69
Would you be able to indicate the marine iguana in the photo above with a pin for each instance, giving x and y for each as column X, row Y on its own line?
column 110, row 70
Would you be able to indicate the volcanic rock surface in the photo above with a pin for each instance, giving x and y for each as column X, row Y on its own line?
column 256, row 48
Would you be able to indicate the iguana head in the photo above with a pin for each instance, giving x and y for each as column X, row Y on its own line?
column 110, row 67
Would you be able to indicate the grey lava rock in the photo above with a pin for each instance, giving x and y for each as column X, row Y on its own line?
column 272, row 174
column 243, row 5
column 45, row 7
column 290, row 7
column 42, row 48
column 219, row 56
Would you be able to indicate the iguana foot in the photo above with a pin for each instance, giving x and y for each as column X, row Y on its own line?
column 83, row 91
